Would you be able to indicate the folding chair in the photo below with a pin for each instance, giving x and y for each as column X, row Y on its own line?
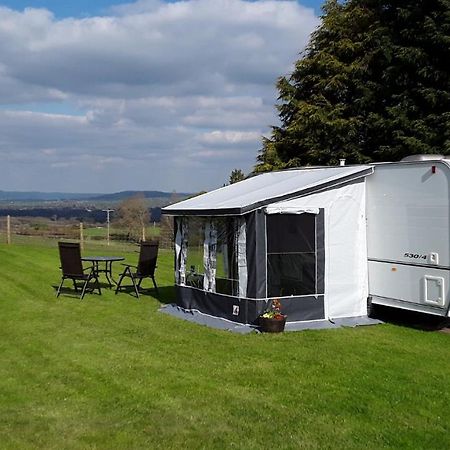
column 148, row 255
column 72, row 268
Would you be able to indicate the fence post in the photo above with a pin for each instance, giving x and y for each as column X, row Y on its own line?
column 143, row 233
column 8, row 229
column 81, row 236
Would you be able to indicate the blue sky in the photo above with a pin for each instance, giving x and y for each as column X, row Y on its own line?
column 74, row 8
column 83, row 8
column 102, row 96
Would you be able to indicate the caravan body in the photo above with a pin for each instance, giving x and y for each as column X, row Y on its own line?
column 408, row 239
column 325, row 241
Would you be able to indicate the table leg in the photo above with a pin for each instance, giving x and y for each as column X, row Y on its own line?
column 108, row 272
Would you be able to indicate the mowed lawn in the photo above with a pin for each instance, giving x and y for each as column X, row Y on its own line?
column 111, row 372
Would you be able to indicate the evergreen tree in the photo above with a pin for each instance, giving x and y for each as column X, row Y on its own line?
column 236, row 175
column 372, row 85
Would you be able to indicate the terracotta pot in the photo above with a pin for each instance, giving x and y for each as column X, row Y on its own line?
column 268, row 325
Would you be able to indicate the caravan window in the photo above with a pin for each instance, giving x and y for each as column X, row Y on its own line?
column 291, row 254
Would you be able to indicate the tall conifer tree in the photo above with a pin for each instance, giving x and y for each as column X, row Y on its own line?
column 372, row 85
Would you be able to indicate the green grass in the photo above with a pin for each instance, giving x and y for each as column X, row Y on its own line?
column 100, row 231
column 111, row 372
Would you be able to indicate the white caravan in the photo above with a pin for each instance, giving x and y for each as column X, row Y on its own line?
column 408, row 234
column 325, row 241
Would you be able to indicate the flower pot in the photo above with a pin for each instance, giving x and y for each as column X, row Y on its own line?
column 269, row 325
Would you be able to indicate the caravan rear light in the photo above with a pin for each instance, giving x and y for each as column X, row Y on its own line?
column 433, row 169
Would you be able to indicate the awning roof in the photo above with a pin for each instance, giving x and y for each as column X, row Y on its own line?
column 261, row 190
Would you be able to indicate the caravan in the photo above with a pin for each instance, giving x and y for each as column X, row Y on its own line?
column 408, row 232
column 328, row 242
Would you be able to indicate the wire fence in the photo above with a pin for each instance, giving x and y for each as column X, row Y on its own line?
column 22, row 231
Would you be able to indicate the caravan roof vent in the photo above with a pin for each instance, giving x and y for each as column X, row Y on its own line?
column 413, row 158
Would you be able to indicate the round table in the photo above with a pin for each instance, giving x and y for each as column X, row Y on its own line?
column 107, row 270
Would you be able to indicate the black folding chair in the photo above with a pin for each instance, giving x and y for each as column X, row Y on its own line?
column 148, row 255
column 72, row 268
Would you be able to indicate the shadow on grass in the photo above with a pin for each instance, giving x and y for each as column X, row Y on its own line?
column 411, row 319
column 68, row 290
column 165, row 294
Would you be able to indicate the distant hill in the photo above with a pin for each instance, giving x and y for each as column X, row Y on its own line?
column 147, row 194
column 41, row 196
column 16, row 196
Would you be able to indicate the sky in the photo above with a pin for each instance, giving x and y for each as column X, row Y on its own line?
column 104, row 96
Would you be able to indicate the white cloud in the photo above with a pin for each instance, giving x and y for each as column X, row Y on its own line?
column 228, row 137
column 159, row 87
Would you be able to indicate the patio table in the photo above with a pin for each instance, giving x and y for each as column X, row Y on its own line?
column 107, row 269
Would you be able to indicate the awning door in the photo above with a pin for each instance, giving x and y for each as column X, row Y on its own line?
column 293, row 265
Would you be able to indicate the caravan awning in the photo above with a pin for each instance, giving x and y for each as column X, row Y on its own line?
column 261, row 190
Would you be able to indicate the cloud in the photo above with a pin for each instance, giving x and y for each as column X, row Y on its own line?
column 158, row 88
column 228, row 137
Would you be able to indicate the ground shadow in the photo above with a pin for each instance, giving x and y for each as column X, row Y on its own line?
column 411, row 319
column 69, row 291
column 165, row 294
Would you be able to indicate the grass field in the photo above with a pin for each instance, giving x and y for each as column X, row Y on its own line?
column 101, row 232
column 111, row 372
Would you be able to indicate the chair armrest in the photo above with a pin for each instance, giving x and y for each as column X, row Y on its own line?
column 128, row 265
